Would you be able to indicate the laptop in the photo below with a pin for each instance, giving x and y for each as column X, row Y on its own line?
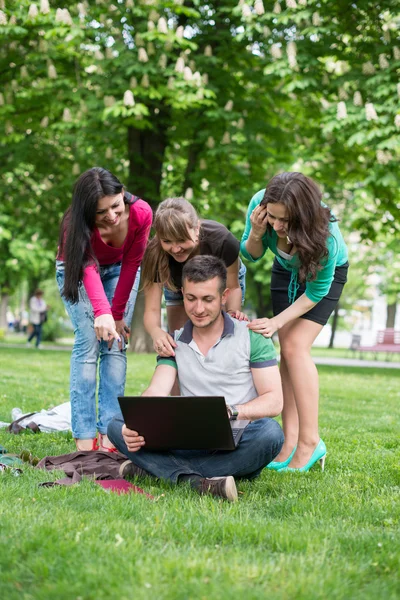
column 182, row 422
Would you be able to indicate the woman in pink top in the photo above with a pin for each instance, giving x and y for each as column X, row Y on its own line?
column 102, row 241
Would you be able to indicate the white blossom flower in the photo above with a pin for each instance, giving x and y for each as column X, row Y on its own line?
column 316, row 19
column 325, row 104
column 162, row 25
column 109, row 53
column 13, row 21
column 9, row 128
column 154, row 16
column 204, row 78
column 277, row 8
column 189, row 194
column 276, row 51
column 63, row 16
column 67, row 117
column 91, row 69
column 357, row 99
column 33, row 11
column 240, row 123
column 259, row 7
column 109, row 101
column 368, row 68
column 203, row 164
column 133, row 83
column 266, row 31
column 150, row 49
column 226, row 139
column 76, row 169
column 187, row 74
column 303, row 2
column 171, row 83
column 3, row 18
column 210, row 142
column 143, row 55
column 109, row 153
column 150, row 26
column 398, row 89
column 24, row 72
column 291, row 51
column 383, row 62
column 291, row 3
column 179, row 31
column 370, row 112
column 204, row 184
column 229, row 105
column 396, row 53
column 1, row 99
column 343, row 95
column 51, row 71
column 180, row 65
column 129, row 4
column 197, row 78
column 44, row 122
column 44, row 7
column 81, row 9
column 162, row 62
column 208, row 51
column 200, row 94
column 383, row 157
column 246, row 11
column 341, row 111
column 397, row 121
column 145, row 82
column 98, row 55
column 129, row 100
column 386, row 36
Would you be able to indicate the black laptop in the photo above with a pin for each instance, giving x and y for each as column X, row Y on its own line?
column 182, row 422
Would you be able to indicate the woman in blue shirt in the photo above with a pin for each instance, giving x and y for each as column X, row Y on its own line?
column 308, row 275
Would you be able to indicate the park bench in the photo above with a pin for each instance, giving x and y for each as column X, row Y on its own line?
column 387, row 341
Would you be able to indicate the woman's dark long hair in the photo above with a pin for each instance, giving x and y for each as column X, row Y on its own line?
column 308, row 226
column 78, row 224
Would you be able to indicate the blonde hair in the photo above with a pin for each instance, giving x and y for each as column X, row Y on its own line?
column 172, row 221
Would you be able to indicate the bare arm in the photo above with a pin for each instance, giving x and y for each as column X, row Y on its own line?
column 258, row 220
column 269, row 402
column 234, row 300
column 161, row 385
column 162, row 341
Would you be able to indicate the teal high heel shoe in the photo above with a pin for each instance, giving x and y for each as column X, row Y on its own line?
column 319, row 454
column 277, row 466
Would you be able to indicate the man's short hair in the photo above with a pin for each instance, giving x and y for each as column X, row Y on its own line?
column 203, row 268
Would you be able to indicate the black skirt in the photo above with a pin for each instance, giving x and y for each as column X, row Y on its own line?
column 321, row 312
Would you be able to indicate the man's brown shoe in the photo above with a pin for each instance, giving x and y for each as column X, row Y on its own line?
column 224, row 487
column 129, row 469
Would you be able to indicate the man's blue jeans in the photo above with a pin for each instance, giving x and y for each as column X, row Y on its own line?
column 37, row 331
column 88, row 352
column 260, row 443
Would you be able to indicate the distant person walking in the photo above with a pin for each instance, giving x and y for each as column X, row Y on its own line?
column 37, row 316
column 308, row 275
column 102, row 241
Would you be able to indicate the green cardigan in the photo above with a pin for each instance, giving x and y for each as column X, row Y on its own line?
column 317, row 289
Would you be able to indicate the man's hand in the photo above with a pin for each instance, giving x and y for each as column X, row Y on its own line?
column 132, row 439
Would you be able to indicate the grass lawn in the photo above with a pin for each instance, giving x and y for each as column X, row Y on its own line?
column 332, row 535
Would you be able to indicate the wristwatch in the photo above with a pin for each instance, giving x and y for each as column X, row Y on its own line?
column 234, row 412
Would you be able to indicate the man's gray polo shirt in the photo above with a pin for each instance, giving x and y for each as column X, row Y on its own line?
column 226, row 369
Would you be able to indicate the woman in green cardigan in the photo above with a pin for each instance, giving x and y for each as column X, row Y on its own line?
column 308, row 275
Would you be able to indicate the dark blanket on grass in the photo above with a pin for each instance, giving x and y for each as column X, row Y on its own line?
column 96, row 465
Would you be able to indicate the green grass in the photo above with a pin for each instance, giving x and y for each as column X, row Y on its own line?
column 319, row 535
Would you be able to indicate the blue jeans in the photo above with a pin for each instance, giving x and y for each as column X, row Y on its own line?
column 88, row 352
column 176, row 298
column 37, row 331
column 261, row 441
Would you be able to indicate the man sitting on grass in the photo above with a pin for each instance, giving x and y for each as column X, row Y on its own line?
column 219, row 356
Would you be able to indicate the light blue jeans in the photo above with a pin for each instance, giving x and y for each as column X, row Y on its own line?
column 87, row 353
column 260, row 443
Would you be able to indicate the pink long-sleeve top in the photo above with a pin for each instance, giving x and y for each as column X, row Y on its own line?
column 130, row 254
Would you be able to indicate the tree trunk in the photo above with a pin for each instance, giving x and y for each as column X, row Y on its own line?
column 146, row 151
column 334, row 325
column 391, row 315
column 3, row 311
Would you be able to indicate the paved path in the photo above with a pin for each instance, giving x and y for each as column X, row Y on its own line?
column 327, row 360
